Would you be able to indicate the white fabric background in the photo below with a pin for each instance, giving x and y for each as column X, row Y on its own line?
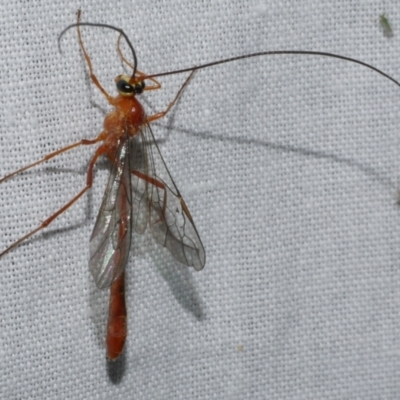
column 290, row 166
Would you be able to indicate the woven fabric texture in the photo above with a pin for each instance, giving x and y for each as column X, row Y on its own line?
column 290, row 167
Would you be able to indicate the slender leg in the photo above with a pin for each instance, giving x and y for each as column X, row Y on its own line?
column 170, row 105
column 89, row 181
column 89, row 63
column 150, row 179
column 147, row 88
column 52, row 155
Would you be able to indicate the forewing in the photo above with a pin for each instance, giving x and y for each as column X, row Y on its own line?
column 139, row 162
column 157, row 202
column 111, row 238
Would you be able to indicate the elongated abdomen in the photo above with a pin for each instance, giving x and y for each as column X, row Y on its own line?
column 117, row 323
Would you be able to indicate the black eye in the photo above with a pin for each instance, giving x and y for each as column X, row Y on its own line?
column 139, row 87
column 124, row 87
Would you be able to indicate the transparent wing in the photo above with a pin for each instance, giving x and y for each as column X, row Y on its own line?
column 158, row 204
column 111, row 237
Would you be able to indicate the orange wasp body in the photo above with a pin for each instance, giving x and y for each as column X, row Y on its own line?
column 140, row 192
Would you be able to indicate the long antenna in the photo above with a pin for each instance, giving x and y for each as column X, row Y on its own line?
column 228, row 60
column 120, row 31
column 276, row 52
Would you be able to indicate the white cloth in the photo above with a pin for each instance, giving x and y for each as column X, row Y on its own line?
column 290, row 167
